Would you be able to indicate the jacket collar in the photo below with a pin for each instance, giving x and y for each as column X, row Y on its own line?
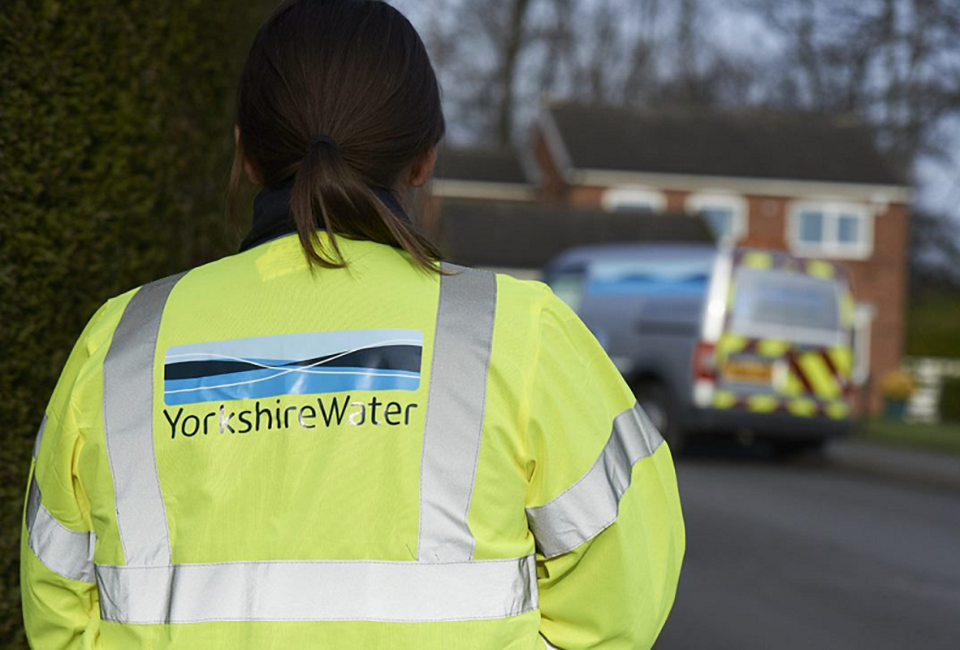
column 272, row 217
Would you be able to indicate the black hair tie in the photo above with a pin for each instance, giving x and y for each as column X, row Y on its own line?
column 323, row 138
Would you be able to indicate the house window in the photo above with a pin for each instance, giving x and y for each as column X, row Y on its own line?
column 626, row 199
column 724, row 214
column 811, row 228
column 848, row 229
column 831, row 229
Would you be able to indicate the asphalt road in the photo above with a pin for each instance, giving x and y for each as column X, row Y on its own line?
column 809, row 555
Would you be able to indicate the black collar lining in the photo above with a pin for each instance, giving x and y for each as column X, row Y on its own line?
column 272, row 217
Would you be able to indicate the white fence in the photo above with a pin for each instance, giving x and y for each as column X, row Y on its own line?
column 929, row 373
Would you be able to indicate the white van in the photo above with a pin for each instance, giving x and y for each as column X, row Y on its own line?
column 720, row 341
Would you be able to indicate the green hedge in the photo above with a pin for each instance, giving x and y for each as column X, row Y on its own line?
column 950, row 400
column 933, row 324
column 115, row 139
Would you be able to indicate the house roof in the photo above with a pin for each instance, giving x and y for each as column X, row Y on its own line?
column 754, row 144
column 480, row 164
column 528, row 235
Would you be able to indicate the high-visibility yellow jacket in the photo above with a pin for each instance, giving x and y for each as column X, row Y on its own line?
column 254, row 455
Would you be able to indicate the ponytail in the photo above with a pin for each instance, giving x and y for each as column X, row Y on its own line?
column 360, row 68
column 328, row 194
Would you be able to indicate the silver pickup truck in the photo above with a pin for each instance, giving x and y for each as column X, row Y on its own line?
column 720, row 341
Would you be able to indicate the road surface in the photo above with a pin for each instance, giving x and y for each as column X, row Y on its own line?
column 811, row 556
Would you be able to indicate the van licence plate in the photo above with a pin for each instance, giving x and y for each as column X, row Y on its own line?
column 749, row 372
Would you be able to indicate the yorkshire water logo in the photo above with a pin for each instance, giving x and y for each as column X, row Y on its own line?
column 293, row 364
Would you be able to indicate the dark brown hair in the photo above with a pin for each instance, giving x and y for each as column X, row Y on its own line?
column 356, row 71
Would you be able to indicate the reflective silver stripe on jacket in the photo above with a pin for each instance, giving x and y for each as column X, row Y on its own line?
column 454, row 418
column 128, row 425
column 39, row 438
column 405, row 592
column 592, row 503
column 63, row 551
column 442, row 585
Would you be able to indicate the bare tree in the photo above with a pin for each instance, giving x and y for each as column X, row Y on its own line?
column 477, row 49
column 892, row 62
column 513, row 41
column 641, row 70
column 502, row 56
column 896, row 65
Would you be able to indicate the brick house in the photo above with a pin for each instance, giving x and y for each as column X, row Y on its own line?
column 486, row 211
column 813, row 185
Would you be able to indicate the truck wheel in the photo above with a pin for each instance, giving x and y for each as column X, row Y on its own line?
column 654, row 399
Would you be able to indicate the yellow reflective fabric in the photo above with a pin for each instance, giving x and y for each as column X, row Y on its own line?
column 728, row 344
column 757, row 260
column 818, row 373
column 842, row 358
column 314, row 481
column 848, row 310
column 763, row 403
column 772, row 347
column 628, row 609
column 60, row 612
column 802, row 407
column 821, row 269
column 724, row 399
column 793, row 386
column 837, row 409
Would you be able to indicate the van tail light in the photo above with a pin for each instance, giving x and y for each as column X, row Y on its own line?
column 849, row 390
column 704, row 366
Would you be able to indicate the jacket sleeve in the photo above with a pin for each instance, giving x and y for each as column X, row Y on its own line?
column 603, row 504
column 57, row 583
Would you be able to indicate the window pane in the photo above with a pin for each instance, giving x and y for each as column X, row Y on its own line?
column 680, row 276
column 848, row 229
column 719, row 220
column 811, row 227
column 780, row 300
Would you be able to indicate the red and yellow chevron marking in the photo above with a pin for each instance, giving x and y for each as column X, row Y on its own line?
column 816, row 381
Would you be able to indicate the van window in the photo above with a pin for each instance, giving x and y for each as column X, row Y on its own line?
column 782, row 304
column 654, row 275
column 567, row 284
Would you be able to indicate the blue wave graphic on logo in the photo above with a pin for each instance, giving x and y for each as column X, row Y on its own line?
column 293, row 364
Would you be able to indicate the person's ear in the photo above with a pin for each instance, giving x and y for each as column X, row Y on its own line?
column 247, row 167
column 422, row 168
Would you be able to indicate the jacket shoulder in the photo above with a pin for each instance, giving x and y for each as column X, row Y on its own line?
column 522, row 295
column 101, row 327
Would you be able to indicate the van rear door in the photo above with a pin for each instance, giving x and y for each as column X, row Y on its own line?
column 785, row 344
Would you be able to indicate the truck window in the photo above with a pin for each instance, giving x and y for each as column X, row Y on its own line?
column 782, row 304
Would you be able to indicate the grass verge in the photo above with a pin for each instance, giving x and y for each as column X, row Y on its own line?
column 943, row 437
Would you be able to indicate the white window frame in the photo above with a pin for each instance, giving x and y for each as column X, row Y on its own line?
column 831, row 246
column 734, row 202
column 615, row 199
